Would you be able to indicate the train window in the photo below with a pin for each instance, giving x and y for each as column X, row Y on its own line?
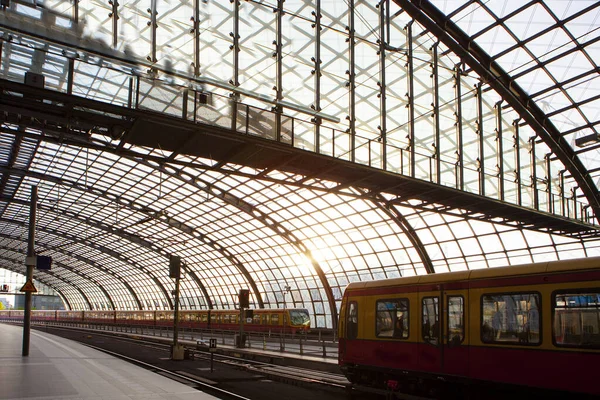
column 352, row 321
column 430, row 316
column 266, row 319
column 391, row 318
column 511, row 318
column 576, row 317
column 256, row 319
column 299, row 317
column 456, row 320
column 274, row 319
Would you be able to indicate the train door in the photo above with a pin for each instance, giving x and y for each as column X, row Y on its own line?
column 350, row 351
column 455, row 341
column 429, row 348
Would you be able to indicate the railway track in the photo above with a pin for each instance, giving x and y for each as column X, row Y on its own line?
column 311, row 379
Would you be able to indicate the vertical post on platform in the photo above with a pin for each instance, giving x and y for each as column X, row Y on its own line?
column 30, row 254
column 240, row 343
column 244, row 302
column 177, row 352
column 176, row 316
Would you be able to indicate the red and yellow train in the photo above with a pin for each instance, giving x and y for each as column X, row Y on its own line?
column 534, row 328
column 289, row 320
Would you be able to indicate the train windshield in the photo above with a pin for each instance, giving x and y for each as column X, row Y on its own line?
column 299, row 317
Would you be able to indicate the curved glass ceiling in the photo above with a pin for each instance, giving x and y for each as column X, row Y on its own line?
column 354, row 81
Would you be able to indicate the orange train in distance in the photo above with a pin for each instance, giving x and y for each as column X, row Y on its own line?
column 289, row 320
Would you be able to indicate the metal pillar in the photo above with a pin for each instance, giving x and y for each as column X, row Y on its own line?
column 30, row 253
column 499, row 150
column 517, row 148
column 196, row 29
column 411, row 98
column 536, row 199
column 352, row 81
column 177, row 350
column 176, row 321
column 382, row 87
column 436, row 112
column 460, row 180
column 317, row 74
column 480, row 133
column 278, row 54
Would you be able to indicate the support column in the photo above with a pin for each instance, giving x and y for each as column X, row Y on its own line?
column 499, row 150
column 517, row 149
column 196, row 30
column 536, row 199
column 411, row 98
column 278, row 54
column 153, row 25
column 382, row 86
column 236, row 64
column 436, row 112
column 549, row 182
column 30, row 253
column 479, row 131
column 460, row 180
column 317, row 73
column 70, row 76
column 115, row 18
column 352, row 81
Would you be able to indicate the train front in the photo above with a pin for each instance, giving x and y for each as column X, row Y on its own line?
column 299, row 320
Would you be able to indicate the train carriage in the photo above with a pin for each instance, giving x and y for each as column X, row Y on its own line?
column 69, row 316
column 533, row 326
column 145, row 318
column 43, row 315
column 103, row 317
column 5, row 315
column 294, row 320
column 290, row 321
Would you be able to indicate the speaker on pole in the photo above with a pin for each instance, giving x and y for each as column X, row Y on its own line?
column 175, row 267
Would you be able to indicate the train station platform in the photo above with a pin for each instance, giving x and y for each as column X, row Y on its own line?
column 58, row 368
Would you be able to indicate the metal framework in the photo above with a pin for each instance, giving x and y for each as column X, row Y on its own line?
column 294, row 144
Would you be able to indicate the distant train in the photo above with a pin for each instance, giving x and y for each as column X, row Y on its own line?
column 289, row 320
column 523, row 329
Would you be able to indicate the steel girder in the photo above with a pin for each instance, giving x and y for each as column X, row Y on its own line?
column 50, row 273
column 68, row 268
column 494, row 75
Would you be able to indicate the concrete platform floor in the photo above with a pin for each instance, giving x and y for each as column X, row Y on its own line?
column 57, row 368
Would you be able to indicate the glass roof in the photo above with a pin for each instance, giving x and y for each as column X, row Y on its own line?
column 551, row 49
column 398, row 100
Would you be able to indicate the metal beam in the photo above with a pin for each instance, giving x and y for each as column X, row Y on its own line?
column 495, row 76
column 90, row 243
column 61, row 265
column 109, row 228
column 85, row 260
column 16, row 269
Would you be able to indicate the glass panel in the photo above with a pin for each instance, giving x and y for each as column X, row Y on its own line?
column 511, row 318
column 430, row 314
column 352, row 322
column 577, row 319
column 299, row 317
column 392, row 318
column 456, row 318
